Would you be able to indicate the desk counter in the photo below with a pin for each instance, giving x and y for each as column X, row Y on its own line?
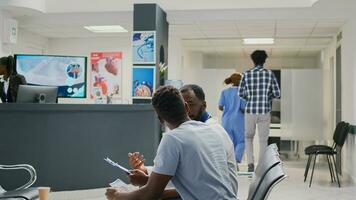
column 66, row 143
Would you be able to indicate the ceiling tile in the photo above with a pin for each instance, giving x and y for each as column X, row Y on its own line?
column 196, row 43
column 217, row 25
column 327, row 31
column 259, row 34
column 295, row 24
column 338, row 23
column 227, row 42
column 290, row 41
column 318, row 41
column 293, row 32
column 212, row 34
column 183, row 28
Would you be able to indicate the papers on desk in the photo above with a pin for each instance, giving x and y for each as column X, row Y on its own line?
column 118, row 183
column 122, row 186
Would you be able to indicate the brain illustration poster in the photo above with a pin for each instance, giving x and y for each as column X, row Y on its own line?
column 106, row 75
column 143, row 47
column 143, row 81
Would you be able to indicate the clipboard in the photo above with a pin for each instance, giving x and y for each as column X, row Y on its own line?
column 114, row 164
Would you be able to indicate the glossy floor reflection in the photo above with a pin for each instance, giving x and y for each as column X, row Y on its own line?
column 292, row 188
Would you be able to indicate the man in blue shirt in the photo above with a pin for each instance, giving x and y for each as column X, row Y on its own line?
column 258, row 87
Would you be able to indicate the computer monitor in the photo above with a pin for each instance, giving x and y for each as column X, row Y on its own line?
column 68, row 73
column 37, row 94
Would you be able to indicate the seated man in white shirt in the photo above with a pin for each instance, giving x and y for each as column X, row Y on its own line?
column 194, row 96
column 191, row 155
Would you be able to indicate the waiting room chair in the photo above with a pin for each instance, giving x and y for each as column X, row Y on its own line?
column 269, row 160
column 339, row 137
column 274, row 176
column 23, row 192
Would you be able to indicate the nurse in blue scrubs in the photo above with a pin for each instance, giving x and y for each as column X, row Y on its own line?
column 233, row 108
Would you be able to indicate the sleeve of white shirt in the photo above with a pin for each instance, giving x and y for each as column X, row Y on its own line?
column 167, row 158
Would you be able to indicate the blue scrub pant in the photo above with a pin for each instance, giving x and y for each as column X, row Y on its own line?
column 238, row 140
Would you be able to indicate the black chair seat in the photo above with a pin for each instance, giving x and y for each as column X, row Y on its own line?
column 317, row 148
column 326, row 151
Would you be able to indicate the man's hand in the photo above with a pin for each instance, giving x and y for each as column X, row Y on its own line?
column 138, row 177
column 137, row 161
column 112, row 194
column 152, row 190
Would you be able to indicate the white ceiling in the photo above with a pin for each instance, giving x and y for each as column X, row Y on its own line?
column 301, row 28
column 298, row 31
column 71, row 25
column 298, row 37
column 294, row 38
column 61, row 6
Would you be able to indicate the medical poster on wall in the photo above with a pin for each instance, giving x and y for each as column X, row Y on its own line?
column 144, row 47
column 106, row 76
column 143, row 82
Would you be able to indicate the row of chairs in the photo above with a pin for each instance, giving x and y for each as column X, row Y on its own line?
column 24, row 192
column 340, row 134
column 269, row 172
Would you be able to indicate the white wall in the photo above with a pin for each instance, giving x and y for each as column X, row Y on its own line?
column 348, row 48
column 302, row 105
column 175, row 57
column 27, row 42
column 37, row 5
column 5, row 49
column 211, row 80
column 30, row 43
column 328, row 63
column 84, row 46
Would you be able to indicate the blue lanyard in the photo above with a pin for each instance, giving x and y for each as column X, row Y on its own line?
column 204, row 117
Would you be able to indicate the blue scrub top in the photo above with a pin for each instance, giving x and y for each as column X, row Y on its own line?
column 234, row 106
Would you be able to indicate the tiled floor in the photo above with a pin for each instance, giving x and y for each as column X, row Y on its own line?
column 292, row 188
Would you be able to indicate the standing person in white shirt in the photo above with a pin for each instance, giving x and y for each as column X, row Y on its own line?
column 189, row 144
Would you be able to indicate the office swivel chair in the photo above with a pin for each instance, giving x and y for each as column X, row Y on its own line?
column 23, row 192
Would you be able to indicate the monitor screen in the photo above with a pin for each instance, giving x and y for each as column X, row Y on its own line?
column 68, row 73
column 36, row 94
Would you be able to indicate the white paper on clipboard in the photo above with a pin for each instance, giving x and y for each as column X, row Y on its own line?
column 122, row 186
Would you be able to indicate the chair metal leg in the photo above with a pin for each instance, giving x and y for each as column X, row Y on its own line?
column 330, row 169
column 311, row 178
column 337, row 175
column 307, row 168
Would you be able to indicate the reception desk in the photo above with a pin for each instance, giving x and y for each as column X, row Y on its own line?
column 67, row 143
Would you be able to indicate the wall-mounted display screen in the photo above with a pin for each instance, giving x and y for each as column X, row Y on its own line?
column 68, row 73
column 143, row 82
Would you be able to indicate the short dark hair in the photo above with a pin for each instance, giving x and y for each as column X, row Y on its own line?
column 198, row 91
column 169, row 104
column 9, row 63
column 259, row 57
